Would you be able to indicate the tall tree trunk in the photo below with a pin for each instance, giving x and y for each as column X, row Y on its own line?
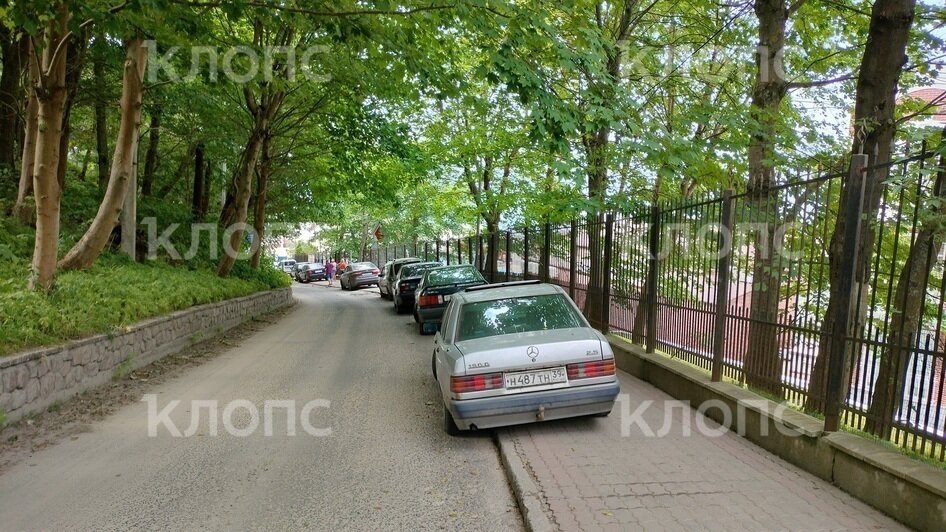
column 27, row 165
column 198, row 189
column 50, row 90
column 100, row 109
column 596, row 146
column 875, row 101
column 259, row 208
column 207, row 188
column 75, row 59
column 151, row 158
column 762, row 363
column 907, row 313
column 241, row 198
column 11, row 94
column 90, row 246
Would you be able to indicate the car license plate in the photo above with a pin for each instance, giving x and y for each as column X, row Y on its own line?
column 541, row 377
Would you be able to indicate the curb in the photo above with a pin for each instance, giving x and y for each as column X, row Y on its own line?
column 523, row 487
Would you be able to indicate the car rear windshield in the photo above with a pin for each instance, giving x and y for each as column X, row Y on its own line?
column 416, row 270
column 516, row 315
column 453, row 276
column 363, row 266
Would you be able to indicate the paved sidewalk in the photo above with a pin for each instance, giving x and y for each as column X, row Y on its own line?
column 586, row 476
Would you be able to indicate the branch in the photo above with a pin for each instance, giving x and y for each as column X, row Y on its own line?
column 818, row 83
column 315, row 13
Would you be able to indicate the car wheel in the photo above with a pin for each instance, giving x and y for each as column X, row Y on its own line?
column 449, row 424
column 421, row 329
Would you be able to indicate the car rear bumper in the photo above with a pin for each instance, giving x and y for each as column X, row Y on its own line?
column 431, row 315
column 516, row 409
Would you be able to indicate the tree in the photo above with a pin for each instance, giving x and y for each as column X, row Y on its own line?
column 875, row 102
column 49, row 89
column 84, row 253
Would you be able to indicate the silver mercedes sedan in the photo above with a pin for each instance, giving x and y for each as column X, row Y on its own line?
column 512, row 353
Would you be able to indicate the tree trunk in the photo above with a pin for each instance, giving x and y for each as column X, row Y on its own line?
column 90, row 246
column 50, row 91
column 198, row 190
column 259, row 214
column 907, row 313
column 875, row 101
column 27, row 165
column 151, row 158
column 11, row 94
column 207, row 188
column 100, row 109
column 241, row 198
column 762, row 364
column 596, row 146
column 75, row 59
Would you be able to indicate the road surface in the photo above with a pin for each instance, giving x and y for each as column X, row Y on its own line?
column 386, row 465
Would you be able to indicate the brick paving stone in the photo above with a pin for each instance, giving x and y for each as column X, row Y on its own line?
column 592, row 477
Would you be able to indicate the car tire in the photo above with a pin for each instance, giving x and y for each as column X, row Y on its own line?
column 449, row 424
column 421, row 329
column 602, row 414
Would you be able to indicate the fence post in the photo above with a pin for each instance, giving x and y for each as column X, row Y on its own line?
column 459, row 250
column 446, row 244
column 723, row 273
column 547, row 254
column 573, row 260
column 492, row 255
column 469, row 248
column 653, row 262
column 606, row 288
column 508, row 255
column 426, row 250
column 525, row 253
column 853, row 210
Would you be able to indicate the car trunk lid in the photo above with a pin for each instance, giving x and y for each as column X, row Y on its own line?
column 529, row 350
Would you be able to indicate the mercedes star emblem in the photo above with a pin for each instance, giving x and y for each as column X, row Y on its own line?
column 533, row 352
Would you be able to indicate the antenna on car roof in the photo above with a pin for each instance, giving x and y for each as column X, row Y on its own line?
column 502, row 285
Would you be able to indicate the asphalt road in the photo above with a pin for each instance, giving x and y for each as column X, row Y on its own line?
column 387, row 464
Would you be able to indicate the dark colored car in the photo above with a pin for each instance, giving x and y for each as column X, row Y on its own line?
column 358, row 274
column 435, row 290
column 296, row 271
column 312, row 271
column 389, row 274
column 403, row 286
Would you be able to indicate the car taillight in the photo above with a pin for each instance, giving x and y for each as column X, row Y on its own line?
column 476, row 383
column 376, row 271
column 405, row 286
column 427, row 301
column 587, row 370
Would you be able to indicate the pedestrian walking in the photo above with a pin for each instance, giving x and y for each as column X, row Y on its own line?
column 330, row 271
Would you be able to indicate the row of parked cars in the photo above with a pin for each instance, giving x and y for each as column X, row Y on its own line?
column 504, row 353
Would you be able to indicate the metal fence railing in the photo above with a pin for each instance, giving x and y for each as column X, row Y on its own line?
column 740, row 285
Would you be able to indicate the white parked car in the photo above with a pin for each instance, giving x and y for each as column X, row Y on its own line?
column 520, row 352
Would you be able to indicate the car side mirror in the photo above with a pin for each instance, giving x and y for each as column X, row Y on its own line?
column 437, row 338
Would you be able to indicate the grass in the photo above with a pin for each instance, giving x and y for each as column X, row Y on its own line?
column 115, row 292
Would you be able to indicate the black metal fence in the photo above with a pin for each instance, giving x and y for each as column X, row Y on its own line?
column 739, row 285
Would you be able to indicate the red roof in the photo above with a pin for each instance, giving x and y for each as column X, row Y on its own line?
column 930, row 94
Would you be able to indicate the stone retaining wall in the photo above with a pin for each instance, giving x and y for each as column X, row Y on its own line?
column 33, row 380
